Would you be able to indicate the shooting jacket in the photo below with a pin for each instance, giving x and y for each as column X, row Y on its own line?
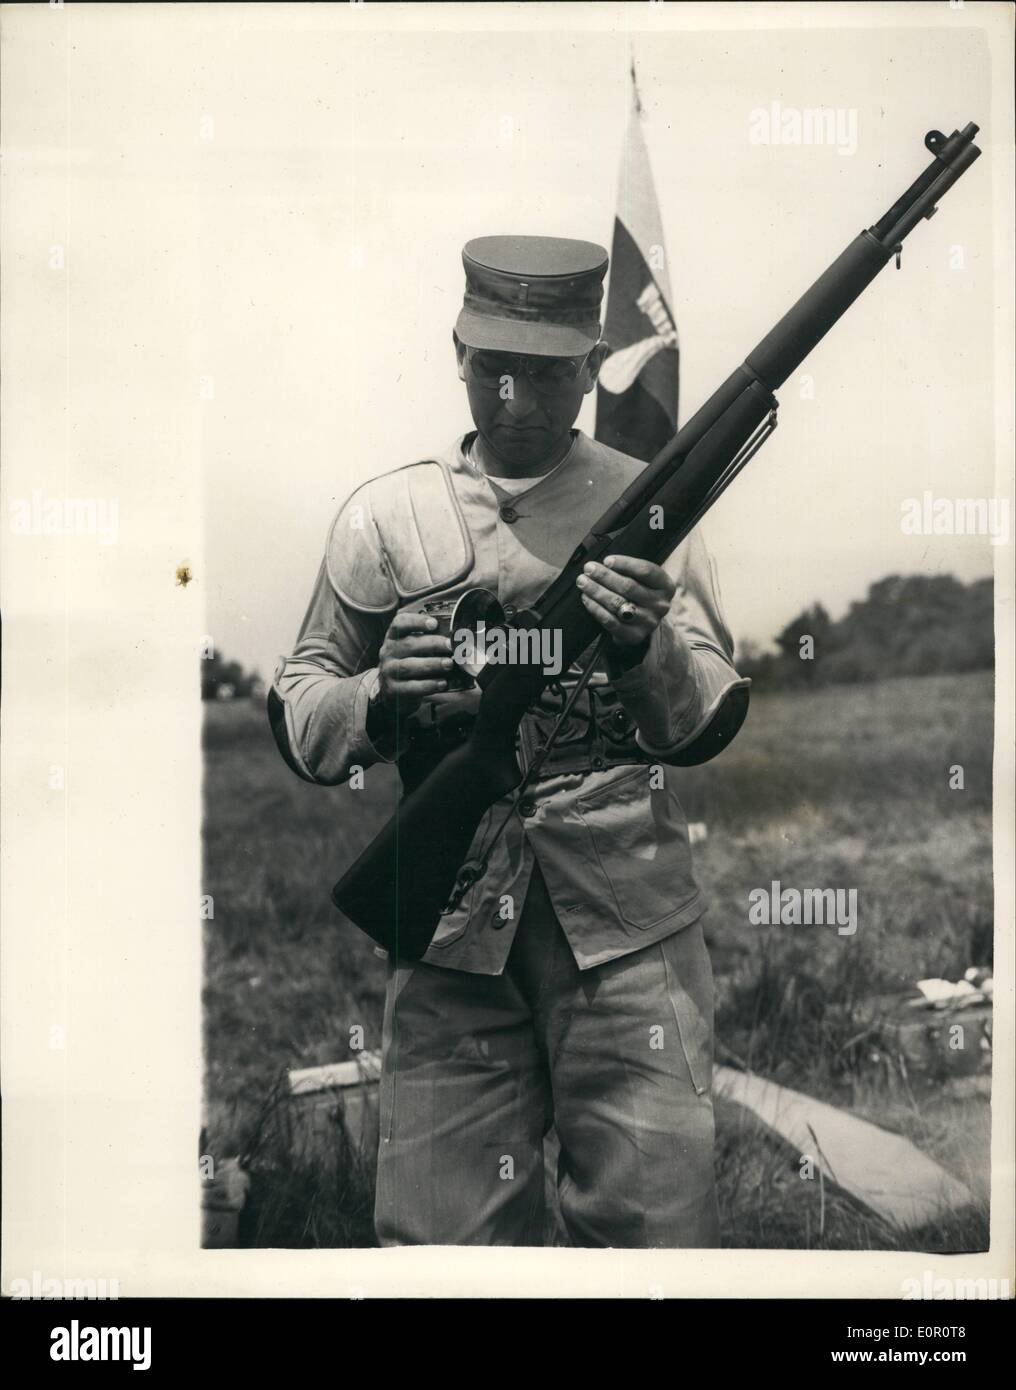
column 612, row 839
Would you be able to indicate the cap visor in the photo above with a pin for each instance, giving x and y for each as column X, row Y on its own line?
column 537, row 339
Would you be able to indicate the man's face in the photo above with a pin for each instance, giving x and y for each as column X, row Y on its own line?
column 524, row 407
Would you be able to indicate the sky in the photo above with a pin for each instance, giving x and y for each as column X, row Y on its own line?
column 317, row 172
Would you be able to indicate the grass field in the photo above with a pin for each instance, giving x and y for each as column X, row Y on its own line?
column 845, row 787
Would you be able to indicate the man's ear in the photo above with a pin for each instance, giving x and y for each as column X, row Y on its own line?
column 460, row 355
column 594, row 362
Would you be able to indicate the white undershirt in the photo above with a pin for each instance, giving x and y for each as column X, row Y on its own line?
column 514, row 486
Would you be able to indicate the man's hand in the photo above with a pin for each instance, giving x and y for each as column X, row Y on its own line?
column 622, row 584
column 414, row 662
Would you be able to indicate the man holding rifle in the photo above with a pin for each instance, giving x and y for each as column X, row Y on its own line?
column 570, row 986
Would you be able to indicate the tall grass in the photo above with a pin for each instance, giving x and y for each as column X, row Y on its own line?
column 844, row 787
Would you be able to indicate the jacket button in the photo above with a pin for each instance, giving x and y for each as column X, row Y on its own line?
column 527, row 808
column 497, row 922
column 508, row 514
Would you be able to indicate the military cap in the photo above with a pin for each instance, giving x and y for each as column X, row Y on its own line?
column 532, row 294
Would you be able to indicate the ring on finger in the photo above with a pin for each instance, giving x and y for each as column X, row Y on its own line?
column 627, row 612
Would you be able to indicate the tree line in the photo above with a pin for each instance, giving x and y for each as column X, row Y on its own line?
column 227, row 680
column 906, row 625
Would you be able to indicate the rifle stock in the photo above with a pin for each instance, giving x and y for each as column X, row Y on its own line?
column 403, row 879
column 398, row 888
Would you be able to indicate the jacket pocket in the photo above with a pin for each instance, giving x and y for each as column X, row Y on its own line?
column 639, row 839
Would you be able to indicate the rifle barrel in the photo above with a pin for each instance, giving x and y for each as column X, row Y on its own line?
column 786, row 346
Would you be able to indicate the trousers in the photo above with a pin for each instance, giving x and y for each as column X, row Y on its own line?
column 617, row 1058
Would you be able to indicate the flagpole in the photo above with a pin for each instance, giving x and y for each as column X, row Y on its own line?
column 638, row 384
column 635, row 86
column 639, row 423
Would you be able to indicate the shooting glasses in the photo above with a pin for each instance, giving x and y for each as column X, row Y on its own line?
column 549, row 376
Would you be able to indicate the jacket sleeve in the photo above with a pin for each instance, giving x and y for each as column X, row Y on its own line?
column 685, row 695
column 317, row 705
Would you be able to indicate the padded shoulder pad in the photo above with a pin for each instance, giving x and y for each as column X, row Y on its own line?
column 399, row 538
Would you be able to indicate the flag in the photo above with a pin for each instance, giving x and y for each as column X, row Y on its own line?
column 637, row 391
column 636, row 398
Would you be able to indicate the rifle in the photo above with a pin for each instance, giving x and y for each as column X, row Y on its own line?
column 414, row 869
